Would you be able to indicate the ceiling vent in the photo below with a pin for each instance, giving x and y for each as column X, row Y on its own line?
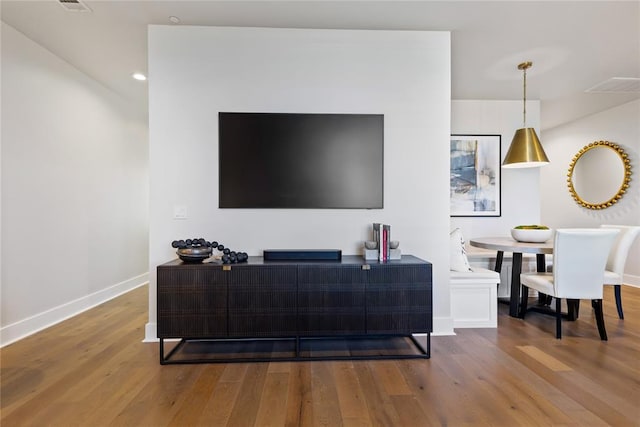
column 74, row 5
column 617, row 85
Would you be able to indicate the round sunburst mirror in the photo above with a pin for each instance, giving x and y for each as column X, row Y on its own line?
column 599, row 175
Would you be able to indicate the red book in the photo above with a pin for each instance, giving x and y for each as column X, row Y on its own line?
column 387, row 242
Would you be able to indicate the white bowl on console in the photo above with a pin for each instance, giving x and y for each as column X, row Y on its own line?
column 531, row 235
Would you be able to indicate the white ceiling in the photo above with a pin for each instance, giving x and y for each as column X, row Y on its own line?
column 574, row 45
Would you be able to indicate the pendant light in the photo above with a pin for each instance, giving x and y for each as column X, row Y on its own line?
column 525, row 150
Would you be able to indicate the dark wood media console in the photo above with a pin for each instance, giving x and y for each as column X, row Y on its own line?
column 215, row 309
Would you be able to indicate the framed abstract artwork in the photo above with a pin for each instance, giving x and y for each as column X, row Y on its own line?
column 475, row 175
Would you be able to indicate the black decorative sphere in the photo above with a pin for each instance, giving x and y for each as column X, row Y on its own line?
column 198, row 249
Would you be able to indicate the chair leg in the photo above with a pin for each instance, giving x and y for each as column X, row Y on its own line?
column 573, row 308
column 617, row 289
column 600, row 320
column 542, row 298
column 558, row 318
column 524, row 299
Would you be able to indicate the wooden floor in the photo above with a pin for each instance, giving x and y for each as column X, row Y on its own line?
column 93, row 370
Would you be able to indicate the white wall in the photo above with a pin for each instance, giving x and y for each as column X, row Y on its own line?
column 74, row 190
column 195, row 72
column 620, row 125
column 520, row 187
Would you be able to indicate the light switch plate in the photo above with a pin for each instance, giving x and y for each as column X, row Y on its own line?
column 179, row 212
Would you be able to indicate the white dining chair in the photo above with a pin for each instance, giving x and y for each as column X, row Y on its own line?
column 614, row 273
column 580, row 257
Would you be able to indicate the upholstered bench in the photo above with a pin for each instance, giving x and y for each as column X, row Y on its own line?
column 474, row 298
column 474, row 289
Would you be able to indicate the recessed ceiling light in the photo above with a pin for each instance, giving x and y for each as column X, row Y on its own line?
column 174, row 19
column 139, row 76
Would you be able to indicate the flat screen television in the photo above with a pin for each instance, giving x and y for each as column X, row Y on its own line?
column 301, row 161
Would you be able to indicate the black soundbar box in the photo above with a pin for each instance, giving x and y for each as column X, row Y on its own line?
column 302, row 254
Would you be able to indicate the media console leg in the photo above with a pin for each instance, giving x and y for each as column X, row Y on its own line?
column 426, row 352
column 165, row 360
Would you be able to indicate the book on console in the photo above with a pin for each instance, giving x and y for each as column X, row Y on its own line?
column 386, row 230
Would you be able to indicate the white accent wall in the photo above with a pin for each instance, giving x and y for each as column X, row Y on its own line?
column 620, row 125
column 520, row 192
column 520, row 188
column 196, row 72
column 74, row 190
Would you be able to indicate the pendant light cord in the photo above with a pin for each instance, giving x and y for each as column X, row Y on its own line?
column 524, row 99
column 524, row 66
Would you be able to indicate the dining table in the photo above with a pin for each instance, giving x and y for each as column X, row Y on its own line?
column 507, row 244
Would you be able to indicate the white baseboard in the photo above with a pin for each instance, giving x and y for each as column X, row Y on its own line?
column 29, row 326
column 151, row 332
column 631, row 280
column 443, row 326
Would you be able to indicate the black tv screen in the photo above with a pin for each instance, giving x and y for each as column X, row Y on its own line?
column 306, row 161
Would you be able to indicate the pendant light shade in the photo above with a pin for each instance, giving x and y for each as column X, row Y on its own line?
column 525, row 150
